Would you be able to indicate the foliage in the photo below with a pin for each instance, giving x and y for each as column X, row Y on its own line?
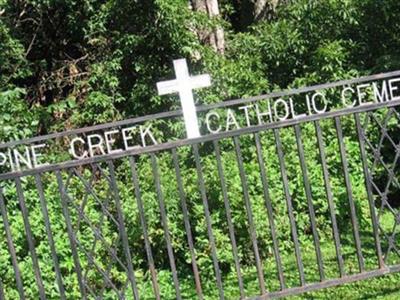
column 70, row 63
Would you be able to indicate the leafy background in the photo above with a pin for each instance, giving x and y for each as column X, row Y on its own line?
column 70, row 63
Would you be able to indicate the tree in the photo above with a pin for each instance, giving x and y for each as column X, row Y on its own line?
column 264, row 8
column 215, row 38
column 248, row 12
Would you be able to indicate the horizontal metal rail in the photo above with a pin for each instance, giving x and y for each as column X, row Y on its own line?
column 201, row 108
column 207, row 138
column 328, row 283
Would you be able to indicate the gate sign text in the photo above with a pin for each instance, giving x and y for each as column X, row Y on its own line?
column 134, row 134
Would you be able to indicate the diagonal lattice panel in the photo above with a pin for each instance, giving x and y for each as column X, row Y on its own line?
column 97, row 234
column 382, row 139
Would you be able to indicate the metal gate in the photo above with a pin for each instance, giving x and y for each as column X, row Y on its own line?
column 111, row 227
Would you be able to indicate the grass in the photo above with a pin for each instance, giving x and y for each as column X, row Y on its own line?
column 383, row 287
column 386, row 287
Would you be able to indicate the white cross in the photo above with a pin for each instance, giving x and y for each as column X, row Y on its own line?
column 184, row 84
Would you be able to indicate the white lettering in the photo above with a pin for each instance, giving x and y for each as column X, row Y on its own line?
column 147, row 132
column 319, row 111
column 110, row 141
column 246, row 112
column 286, row 108
column 344, row 91
column 310, row 112
column 98, row 145
column 361, row 94
column 36, row 155
column 267, row 113
column 293, row 110
column 3, row 159
column 72, row 149
column 231, row 120
column 127, row 137
column 19, row 158
column 11, row 160
column 208, row 123
column 383, row 95
column 393, row 88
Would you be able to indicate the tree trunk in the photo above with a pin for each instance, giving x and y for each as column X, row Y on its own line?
column 264, row 9
column 216, row 37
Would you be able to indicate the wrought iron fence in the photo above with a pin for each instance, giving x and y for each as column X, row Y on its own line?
column 117, row 230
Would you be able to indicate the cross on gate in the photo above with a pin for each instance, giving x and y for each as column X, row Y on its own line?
column 184, row 84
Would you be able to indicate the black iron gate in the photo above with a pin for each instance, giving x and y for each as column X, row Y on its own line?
column 112, row 227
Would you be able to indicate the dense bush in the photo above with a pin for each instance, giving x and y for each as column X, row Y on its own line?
column 70, row 63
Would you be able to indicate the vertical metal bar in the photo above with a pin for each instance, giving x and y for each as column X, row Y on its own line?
column 153, row 273
column 208, row 220
column 187, row 224
column 249, row 211
column 289, row 204
column 354, row 222
column 311, row 211
column 229, row 219
column 367, row 176
column 71, row 235
column 50, row 238
column 29, row 237
column 331, row 204
column 268, row 204
column 122, row 230
column 11, row 247
column 164, row 222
